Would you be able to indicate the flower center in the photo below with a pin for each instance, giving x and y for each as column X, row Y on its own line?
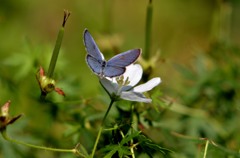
column 121, row 82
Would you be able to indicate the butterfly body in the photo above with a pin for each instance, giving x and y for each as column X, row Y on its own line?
column 115, row 66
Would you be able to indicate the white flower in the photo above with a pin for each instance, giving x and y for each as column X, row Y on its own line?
column 124, row 86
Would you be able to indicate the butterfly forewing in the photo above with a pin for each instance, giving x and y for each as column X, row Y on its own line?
column 124, row 59
column 91, row 46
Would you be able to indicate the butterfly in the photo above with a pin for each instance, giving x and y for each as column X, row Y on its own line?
column 115, row 66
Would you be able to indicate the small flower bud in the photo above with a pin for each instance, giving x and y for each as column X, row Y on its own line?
column 47, row 84
column 5, row 120
column 5, row 109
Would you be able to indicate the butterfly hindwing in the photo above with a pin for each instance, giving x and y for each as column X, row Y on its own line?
column 94, row 64
column 124, row 59
column 111, row 71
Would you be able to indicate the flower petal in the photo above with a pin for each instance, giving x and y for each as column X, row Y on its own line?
column 11, row 121
column 133, row 96
column 110, row 86
column 148, row 85
column 41, row 71
column 60, row 91
column 5, row 109
column 133, row 73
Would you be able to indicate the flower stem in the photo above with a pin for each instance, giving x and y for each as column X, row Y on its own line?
column 101, row 128
column 57, row 45
column 6, row 137
column 132, row 146
column 148, row 30
column 109, row 107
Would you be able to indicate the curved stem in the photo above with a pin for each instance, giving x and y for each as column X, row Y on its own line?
column 6, row 137
column 101, row 128
column 109, row 107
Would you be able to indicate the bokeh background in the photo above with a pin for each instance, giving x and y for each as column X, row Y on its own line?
column 198, row 41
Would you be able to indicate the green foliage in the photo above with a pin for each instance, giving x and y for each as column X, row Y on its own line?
column 200, row 105
column 148, row 146
column 133, row 140
column 213, row 87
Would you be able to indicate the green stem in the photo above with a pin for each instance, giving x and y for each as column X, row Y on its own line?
column 148, row 30
column 132, row 152
column 109, row 107
column 6, row 137
column 206, row 148
column 111, row 129
column 132, row 146
column 57, row 46
column 97, row 140
column 101, row 128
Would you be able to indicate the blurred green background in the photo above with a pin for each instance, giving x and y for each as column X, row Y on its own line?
column 199, row 67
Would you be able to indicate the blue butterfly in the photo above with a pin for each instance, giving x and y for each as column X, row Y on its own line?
column 115, row 66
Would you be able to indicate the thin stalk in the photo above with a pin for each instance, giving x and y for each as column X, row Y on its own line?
column 6, row 137
column 109, row 107
column 110, row 129
column 56, row 51
column 148, row 30
column 205, row 150
column 132, row 152
column 101, row 128
column 97, row 140
column 57, row 46
column 132, row 146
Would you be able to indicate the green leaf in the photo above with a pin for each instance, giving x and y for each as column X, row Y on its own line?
column 110, row 154
column 113, row 148
column 123, row 150
column 150, row 147
column 129, row 137
column 120, row 148
column 83, row 150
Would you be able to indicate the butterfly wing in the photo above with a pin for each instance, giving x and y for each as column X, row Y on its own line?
column 116, row 65
column 91, row 47
column 124, row 59
column 111, row 71
column 94, row 64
